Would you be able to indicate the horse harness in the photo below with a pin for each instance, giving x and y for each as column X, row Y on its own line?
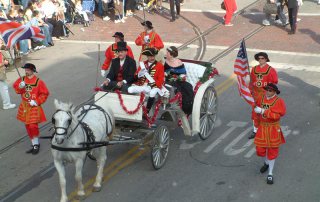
column 85, row 127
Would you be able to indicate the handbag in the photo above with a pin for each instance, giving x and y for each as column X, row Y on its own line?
column 270, row 8
column 223, row 7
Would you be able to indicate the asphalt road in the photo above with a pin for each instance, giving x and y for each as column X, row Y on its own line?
column 222, row 168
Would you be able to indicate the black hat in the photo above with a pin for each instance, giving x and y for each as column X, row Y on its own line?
column 150, row 52
column 30, row 66
column 273, row 87
column 118, row 34
column 122, row 46
column 147, row 24
column 263, row 54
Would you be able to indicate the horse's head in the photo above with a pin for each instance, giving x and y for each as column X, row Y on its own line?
column 62, row 120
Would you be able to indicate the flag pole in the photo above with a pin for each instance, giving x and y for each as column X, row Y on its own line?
column 250, row 82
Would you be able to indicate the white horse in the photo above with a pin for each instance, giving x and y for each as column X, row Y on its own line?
column 69, row 133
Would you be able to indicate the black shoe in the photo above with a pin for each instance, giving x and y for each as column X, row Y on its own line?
column 172, row 20
column 270, row 179
column 264, row 168
column 29, row 151
column 291, row 32
column 253, row 135
column 36, row 149
column 51, row 43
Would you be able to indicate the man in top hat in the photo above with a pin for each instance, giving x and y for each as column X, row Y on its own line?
column 33, row 93
column 149, row 77
column 122, row 70
column 269, row 136
column 111, row 52
column 260, row 76
column 149, row 38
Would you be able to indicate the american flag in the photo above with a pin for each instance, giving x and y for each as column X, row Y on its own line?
column 12, row 32
column 241, row 69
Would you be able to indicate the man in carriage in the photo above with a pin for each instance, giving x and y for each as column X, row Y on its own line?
column 112, row 52
column 34, row 93
column 149, row 77
column 122, row 70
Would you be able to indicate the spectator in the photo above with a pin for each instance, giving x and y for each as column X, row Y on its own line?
column 173, row 14
column 107, row 9
column 129, row 7
column 6, row 5
column 4, row 89
column 49, row 10
column 280, row 18
column 293, row 7
column 37, row 21
column 83, row 13
column 231, row 7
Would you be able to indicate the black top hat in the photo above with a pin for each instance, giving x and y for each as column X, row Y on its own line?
column 30, row 66
column 272, row 86
column 147, row 24
column 150, row 52
column 118, row 34
column 263, row 54
column 122, row 46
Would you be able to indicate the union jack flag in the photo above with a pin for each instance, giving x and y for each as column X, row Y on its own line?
column 241, row 69
column 12, row 32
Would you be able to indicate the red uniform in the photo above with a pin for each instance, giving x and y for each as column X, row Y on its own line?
column 36, row 90
column 154, row 41
column 111, row 54
column 231, row 7
column 269, row 136
column 260, row 77
column 156, row 71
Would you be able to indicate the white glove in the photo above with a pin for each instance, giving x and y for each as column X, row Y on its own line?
column 146, row 39
column 300, row 3
column 142, row 72
column 258, row 110
column 22, row 84
column 33, row 103
column 103, row 73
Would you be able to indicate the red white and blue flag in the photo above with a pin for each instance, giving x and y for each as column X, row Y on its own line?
column 241, row 69
column 12, row 32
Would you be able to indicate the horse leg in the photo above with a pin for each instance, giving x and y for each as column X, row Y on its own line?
column 62, row 179
column 100, row 165
column 78, row 176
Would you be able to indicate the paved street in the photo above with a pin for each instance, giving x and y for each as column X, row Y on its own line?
column 222, row 168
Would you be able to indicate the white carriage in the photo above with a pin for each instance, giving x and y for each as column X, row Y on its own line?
column 203, row 115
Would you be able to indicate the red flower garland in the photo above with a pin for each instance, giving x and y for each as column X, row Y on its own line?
column 125, row 108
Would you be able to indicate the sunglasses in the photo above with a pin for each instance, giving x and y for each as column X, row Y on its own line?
column 270, row 90
column 261, row 58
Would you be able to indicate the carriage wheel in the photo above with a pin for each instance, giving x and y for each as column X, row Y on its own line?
column 160, row 146
column 208, row 112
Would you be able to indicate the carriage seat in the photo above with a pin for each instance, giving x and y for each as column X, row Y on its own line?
column 194, row 72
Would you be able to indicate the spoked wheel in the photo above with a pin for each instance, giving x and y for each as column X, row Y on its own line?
column 208, row 112
column 160, row 146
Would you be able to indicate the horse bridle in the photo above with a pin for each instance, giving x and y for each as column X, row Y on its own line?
column 54, row 125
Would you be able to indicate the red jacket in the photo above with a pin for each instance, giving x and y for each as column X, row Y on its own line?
column 260, row 77
column 269, row 132
column 36, row 90
column 154, row 41
column 156, row 71
column 111, row 54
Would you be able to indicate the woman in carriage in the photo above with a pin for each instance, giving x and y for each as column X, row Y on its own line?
column 175, row 73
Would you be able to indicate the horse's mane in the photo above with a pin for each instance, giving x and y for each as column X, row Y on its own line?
column 68, row 107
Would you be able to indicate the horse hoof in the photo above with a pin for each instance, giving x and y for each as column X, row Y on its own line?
column 81, row 197
column 96, row 189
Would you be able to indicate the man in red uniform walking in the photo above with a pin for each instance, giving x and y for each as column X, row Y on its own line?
column 260, row 76
column 231, row 7
column 112, row 53
column 269, row 135
column 33, row 93
column 148, row 39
